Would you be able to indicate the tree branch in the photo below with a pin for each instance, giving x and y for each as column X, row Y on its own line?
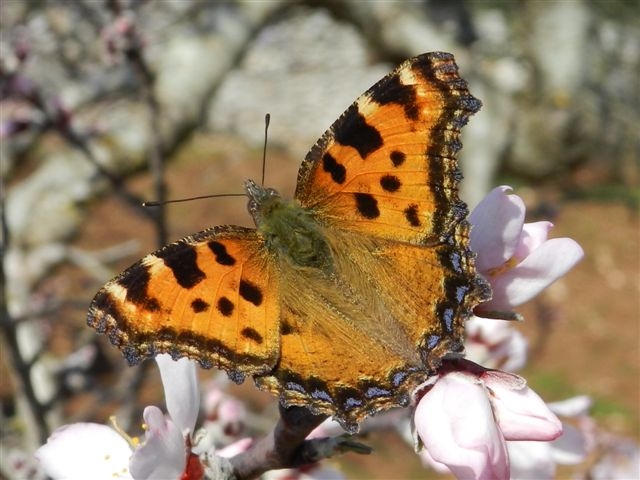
column 285, row 446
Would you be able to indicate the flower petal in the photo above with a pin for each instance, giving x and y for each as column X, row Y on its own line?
column 85, row 450
column 180, row 382
column 497, row 224
column 545, row 265
column 235, row 448
column 163, row 453
column 520, row 412
column 533, row 235
column 571, row 447
column 572, row 407
column 455, row 422
column 531, row 460
column 495, row 344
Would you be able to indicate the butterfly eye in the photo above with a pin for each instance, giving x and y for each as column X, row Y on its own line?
column 271, row 193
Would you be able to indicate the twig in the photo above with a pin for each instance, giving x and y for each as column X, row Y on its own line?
column 8, row 328
column 286, row 447
column 133, row 52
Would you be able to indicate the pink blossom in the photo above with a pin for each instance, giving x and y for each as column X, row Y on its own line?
column 82, row 449
column 539, row 459
column 466, row 416
column 163, row 453
column 223, row 423
column 621, row 459
column 88, row 450
column 495, row 344
column 166, row 447
column 235, row 448
column 516, row 257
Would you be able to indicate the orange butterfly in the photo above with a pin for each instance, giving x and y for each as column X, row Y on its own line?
column 345, row 298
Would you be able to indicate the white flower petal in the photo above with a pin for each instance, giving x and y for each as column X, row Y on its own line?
column 521, row 413
column 181, row 392
column 572, row 407
column 455, row 422
column 235, row 448
column 571, row 447
column 544, row 266
column 428, row 461
column 495, row 343
column 163, row 453
column 496, row 227
column 85, row 450
column 533, row 235
column 531, row 461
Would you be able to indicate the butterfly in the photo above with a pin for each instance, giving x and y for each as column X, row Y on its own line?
column 344, row 298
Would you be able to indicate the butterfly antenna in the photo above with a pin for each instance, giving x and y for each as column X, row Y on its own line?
column 267, row 119
column 188, row 199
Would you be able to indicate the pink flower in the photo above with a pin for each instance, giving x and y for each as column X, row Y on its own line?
column 88, row 450
column 166, row 447
column 466, row 416
column 539, row 459
column 495, row 344
column 82, row 449
column 515, row 257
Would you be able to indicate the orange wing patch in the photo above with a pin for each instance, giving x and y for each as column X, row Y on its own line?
column 212, row 297
column 387, row 166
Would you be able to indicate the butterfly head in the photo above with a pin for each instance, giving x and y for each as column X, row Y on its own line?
column 261, row 200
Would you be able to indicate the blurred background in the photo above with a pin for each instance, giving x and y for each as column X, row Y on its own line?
column 105, row 104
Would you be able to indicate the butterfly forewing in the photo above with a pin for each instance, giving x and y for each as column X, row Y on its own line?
column 212, row 297
column 387, row 166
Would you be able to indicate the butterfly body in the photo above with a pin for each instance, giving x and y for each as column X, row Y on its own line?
column 348, row 296
column 289, row 231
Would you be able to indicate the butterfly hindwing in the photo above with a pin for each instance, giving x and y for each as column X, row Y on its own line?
column 330, row 360
column 360, row 340
column 387, row 166
column 212, row 297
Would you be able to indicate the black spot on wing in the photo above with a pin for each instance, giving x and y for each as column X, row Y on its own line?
column 181, row 258
column 220, row 251
column 136, row 282
column 250, row 292
column 411, row 214
column 225, row 306
column 397, row 158
column 199, row 305
column 252, row 334
column 390, row 183
column 394, row 91
column 286, row 328
column 352, row 130
column 337, row 171
column 367, row 205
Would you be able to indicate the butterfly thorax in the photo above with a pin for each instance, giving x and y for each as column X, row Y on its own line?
column 289, row 230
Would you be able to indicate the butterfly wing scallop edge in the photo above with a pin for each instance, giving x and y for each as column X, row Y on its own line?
column 211, row 297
